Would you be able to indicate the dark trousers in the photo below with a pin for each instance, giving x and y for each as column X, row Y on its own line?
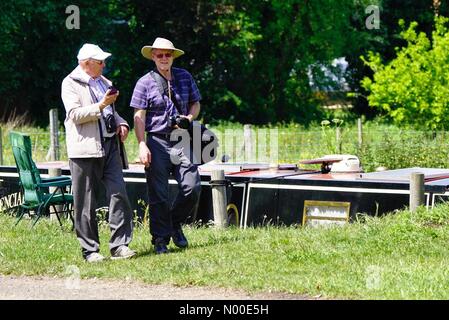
column 88, row 175
column 165, row 216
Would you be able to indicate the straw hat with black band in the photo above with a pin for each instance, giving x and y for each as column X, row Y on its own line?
column 163, row 44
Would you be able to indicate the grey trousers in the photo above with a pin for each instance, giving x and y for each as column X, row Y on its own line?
column 88, row 175
column 165, row 217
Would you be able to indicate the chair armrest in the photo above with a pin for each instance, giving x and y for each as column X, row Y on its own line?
column 53, row 179
column 59, row 183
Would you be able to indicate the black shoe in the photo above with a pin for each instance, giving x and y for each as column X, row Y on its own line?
column 179, row 239
column 160, row 246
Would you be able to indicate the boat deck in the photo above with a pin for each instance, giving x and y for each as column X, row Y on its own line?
column 260, row 194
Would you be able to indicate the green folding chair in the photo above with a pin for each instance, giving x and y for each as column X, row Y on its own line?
column 36, row 194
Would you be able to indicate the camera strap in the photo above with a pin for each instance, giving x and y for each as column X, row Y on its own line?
column 120, row 144
column 95, row 99
column 165, row 88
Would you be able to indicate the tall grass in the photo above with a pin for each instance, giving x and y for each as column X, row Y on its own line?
column 40, row 139
column 383, row 145
column 397, row 256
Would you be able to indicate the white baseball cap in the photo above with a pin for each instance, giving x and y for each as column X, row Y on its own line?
column 92, row 51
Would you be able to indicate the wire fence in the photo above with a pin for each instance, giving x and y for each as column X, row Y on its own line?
column 385, row 147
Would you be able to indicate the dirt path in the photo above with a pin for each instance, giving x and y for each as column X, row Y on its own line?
column 47, row 288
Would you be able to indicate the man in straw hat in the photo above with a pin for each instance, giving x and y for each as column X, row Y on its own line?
column 164, row 100
column 93, row 153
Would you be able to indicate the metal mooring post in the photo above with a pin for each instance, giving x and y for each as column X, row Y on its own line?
column 416, row 190
column 219, row 201
column 54, row 172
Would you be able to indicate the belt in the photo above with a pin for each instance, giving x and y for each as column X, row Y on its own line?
column 165, row 136
column 109, row 138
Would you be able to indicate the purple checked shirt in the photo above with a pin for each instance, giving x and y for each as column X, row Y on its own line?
column 159, row 108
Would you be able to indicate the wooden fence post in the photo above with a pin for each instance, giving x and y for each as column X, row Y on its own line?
column 338, row 139
column 54, row 135
column 248, row 143
column 360, row 132
column 416, row 190
column 219, row 201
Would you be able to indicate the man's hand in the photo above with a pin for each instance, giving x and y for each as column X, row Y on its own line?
column 139, row 130
column 144, row 154
column 190, row 117
column 122, row 132
column 183, row 124
column 108, row 99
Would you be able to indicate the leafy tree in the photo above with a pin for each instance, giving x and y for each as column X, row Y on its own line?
column 267, row 50
column 386, row 38
column 413, row 88
column 38, row 51
column 188, row 24
column 252, row 59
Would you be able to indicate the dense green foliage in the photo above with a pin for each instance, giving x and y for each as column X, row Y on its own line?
column 253, row 59
column 380, row 258
column 37, row 51
column 413, row 88
column 386, row 39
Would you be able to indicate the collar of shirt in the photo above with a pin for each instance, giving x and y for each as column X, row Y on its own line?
column 97, row 87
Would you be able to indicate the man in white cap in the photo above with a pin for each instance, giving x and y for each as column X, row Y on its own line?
column 92, row 127
column 160, row 99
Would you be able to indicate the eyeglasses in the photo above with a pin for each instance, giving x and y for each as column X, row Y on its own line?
column 100, row 62
column 161, row 55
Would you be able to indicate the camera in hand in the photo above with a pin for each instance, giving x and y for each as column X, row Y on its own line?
column 109, row 121
column 113, row 90
column 181, row 122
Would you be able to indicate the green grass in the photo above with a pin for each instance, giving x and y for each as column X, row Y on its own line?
column 383, row 145
column 400, row 256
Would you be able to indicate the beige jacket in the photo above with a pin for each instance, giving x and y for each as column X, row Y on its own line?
column 82, row 114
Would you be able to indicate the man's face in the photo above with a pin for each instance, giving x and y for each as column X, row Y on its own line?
column 163, row 58
column 96, row 67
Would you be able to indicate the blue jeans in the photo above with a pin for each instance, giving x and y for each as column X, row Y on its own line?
column 165, row 217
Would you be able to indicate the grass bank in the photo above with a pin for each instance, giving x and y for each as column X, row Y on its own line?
column 400, row 256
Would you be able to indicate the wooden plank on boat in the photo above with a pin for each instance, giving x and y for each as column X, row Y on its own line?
column 321, row 160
